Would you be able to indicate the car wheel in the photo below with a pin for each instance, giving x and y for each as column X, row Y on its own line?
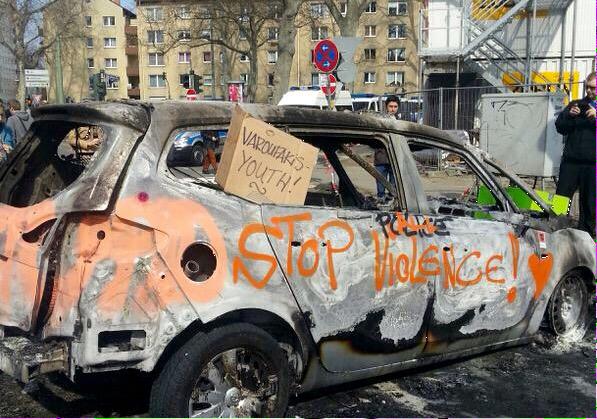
column 197, row 155
column 567, row 311
column 232, row 371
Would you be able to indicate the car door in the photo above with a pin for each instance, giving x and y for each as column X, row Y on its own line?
column 40, row 187
column 340, row 262
column 484, row 287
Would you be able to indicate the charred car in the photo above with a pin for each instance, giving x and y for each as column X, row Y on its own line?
column 127, row 261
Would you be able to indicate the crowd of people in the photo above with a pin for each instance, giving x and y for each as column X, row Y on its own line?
column 14, row 124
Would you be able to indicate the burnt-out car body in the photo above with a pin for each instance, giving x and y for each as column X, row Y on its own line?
column 132, row 263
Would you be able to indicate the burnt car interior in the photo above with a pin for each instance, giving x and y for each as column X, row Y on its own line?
column 451, row 184
column 344, row 175
column 52, row 157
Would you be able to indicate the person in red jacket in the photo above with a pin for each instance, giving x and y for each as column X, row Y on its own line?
column 577, row 169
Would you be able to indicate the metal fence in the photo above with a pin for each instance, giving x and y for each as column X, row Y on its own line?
column 455, row 108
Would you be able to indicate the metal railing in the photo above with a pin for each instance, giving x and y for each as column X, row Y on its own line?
column 455, row 108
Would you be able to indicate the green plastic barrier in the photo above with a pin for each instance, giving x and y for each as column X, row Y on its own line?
column 559, row 204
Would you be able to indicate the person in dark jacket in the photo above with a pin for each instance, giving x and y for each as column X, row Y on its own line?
column 577, row 169
column 19, row 121
column 380, row 158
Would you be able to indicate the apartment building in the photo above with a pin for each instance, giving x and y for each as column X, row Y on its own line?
column 386, row 60
column 108, row 41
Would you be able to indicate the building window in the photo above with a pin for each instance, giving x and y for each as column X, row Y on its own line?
column 370, row 31
column 242, row 33
column 319, row 32
column 244, row 58
column 205, row 13
column 184, row 80
column 397, row 31
column 155, row 37
column 89, row 42
column 109, row 21
column 184, row 57
column 154, row 14
column 397, row 8
column 343, row 8
column 109, row 42
column 87, row 20
column 371, row 7
column 369, row 77
column 157, row 80
column 184, row 35
column 207, row 56
column 156, row 58
column 318, row 10
column 395, row 78
column 90, row 63
column 272, row 57
column 314, row 79
column 183, row 12
column 370, row 53
column 273, row 33
column 244, row 77
column 208, row 80
column 396, row 55
column 205, row 34
column 270, row 79
column 110, row 63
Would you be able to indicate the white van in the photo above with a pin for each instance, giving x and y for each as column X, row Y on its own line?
column 365, row 102
column 312, row 97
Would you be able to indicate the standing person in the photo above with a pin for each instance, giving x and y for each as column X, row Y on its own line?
column 211, row 140
column 6, row 137
column 19, row 121
column 577, row 169
column 380, row 158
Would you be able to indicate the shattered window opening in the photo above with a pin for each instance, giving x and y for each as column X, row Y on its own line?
column 452, row 186
column 53, row 157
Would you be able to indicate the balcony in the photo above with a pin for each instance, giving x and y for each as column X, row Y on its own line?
column 132, row 71
column 134, row 93
column 131, row 50
column 130, row 30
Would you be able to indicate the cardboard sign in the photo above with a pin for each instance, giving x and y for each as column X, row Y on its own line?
column 264, row 164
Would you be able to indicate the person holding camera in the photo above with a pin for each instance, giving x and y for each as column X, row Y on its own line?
column 577, row 169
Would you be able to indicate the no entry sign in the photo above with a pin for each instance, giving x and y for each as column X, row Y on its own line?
column 325, row 56
column 324, row 79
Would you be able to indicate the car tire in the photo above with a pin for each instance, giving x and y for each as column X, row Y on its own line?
column 234, row 371
column 568, row 308
column 197, row 154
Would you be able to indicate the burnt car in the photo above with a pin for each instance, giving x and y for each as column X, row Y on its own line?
column 127, row 261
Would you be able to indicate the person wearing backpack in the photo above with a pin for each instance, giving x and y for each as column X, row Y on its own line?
column 19, row 121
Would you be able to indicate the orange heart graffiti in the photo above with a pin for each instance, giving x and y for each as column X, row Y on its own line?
column 540, row 268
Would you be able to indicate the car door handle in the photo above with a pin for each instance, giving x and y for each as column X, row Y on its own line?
column 352, row 215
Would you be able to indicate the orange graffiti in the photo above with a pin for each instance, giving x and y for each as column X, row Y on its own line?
column 238, row 265
column 511, row 296
column 489, row 269
column 541, row 269
column 310, row 245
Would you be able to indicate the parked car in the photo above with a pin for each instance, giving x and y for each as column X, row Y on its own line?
column 128, row 261
column 189, row 147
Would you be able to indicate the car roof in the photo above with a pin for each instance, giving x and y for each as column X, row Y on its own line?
column 181, row 113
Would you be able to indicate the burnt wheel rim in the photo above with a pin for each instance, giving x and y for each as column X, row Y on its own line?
column 235, row 383
column 569, row 306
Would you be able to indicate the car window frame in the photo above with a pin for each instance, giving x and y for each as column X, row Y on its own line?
column 507, row 205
